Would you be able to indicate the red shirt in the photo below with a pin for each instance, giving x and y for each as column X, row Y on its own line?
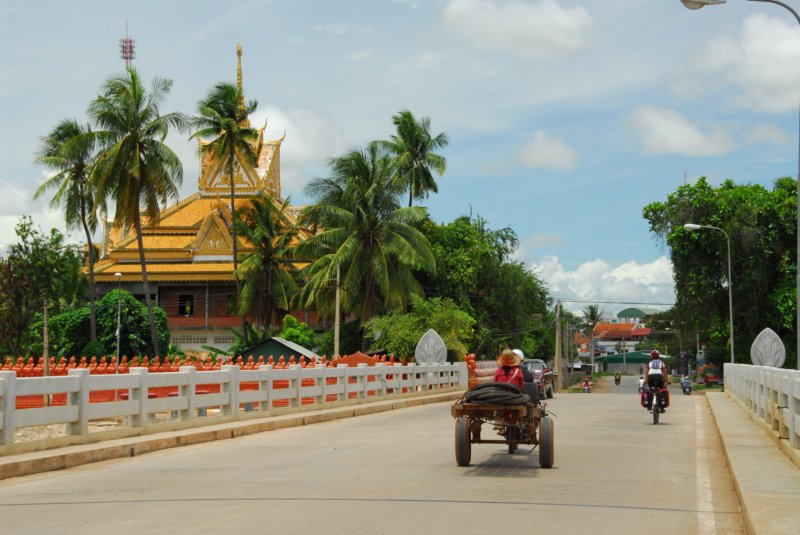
column 514, row 376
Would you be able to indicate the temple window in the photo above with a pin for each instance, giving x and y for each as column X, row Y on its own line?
column 186, row 305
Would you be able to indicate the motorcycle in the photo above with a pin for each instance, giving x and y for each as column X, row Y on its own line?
column 687, row 388
column 616, row 380
column 587, row 388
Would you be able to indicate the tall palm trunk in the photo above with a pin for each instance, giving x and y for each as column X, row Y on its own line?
column 236, row 247
column 268, row 303
column 150, row 318
column 92, row 293
column 366, row 308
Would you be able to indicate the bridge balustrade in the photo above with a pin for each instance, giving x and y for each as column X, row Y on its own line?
column 772, row 396
column 186, row 395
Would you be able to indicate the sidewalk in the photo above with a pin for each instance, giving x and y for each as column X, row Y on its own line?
column 24, row 464
column 766, row 481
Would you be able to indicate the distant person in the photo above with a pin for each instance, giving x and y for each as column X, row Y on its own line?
column 508, row 370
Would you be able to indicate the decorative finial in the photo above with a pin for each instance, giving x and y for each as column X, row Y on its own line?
column 239, row 80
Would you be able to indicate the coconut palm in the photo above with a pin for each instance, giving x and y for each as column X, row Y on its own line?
column 69, row 150
column 365, row 231
column 592, row 315
column 413, row 147
column 223, row 120
column 267, row 274
column 135, row 168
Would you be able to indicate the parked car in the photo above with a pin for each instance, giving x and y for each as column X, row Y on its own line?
column 542, row 376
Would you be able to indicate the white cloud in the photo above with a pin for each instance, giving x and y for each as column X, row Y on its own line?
column 536, row 31
column 333, row 29
column 358, row 56
column 665, row 131
column 426, row 61
column 542, row 150
column 762, row 60
column 597, row 281
column 311, row 139
column 767, row 133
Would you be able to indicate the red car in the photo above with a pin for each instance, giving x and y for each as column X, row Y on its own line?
column 542, row 376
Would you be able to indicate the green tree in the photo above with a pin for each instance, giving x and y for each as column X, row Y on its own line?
column 39, row 269
column 267, row 274
column 398, row 332
column 135, row 167
column 298, row 332
column 509, row 302
column 761, row 226
column 592, row 315
column 222, row 123
column 69, row 151
column 69, row 331
column 413, row 147
column 364, row 230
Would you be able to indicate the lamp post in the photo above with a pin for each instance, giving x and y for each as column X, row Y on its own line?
column 118, row 276
column 697, row 4
column 692, row 227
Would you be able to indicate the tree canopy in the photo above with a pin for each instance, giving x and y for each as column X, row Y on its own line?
column 761, row 224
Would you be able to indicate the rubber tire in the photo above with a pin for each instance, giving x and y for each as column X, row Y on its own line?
column 549, row 393
column 546, row 443
column 511, row 434
column 656, row 412
column 463, row 444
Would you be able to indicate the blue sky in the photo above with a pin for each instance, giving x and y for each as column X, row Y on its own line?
column 565, row 117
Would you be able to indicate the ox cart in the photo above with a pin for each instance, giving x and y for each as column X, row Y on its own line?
column 507, row 411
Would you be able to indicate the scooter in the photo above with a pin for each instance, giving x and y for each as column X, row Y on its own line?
column 587, row 389
column 616, row 380
column 687, row 388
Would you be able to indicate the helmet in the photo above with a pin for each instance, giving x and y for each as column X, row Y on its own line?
column 655, row 354
column 519, row 352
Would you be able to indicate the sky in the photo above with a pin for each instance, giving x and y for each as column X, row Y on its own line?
column 565, row 117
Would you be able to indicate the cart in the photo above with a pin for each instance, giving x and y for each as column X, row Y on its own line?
column 525, row 423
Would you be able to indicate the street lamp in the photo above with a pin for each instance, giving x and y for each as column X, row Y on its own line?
column 692, row 227
column 697, row 4
column 118, row 276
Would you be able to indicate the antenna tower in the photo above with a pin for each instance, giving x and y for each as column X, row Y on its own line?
column 127, row 47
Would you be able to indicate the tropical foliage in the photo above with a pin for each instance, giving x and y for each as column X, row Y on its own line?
column 413, row 147
column 761, row 224
column 267, row 273
column 398, row 332
column 363, row 230
column 69, row 150
column 135, row 168
column 298, row 332
column 39, row 269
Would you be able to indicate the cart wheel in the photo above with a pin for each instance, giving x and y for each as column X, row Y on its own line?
column 511, row 434
column 463, row 444
column 546, row 448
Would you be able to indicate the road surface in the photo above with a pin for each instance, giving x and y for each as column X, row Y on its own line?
column 395, row 473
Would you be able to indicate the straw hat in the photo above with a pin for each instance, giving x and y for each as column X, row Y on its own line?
column 508, row 358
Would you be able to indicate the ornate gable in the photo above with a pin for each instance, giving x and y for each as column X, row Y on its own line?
column 213, row 238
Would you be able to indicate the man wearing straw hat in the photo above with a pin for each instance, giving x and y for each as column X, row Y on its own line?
column 508, row 370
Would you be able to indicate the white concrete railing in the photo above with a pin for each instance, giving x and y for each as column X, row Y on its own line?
column 186, row 404
column 772, row 395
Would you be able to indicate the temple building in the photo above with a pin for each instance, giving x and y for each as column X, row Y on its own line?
column 189, row 251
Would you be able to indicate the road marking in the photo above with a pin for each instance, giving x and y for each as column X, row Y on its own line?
column 706, row 523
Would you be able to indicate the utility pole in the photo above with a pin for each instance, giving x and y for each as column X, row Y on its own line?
column 557, row 364
column 338, row 313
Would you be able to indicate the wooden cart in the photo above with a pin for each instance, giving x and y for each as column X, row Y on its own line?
column 517, row 424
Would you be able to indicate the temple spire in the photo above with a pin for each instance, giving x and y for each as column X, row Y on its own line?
column 241, row 109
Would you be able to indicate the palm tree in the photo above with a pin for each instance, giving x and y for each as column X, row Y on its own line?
column 365, row 231
column 135, row 168
column 413, row 148
column 223, row 120
column 592, row 315
column 267, row 274
column 68, row 149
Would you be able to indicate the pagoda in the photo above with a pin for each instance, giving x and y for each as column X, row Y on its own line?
column 189, row 251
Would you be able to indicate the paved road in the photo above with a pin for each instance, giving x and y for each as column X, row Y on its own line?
column 395, row 472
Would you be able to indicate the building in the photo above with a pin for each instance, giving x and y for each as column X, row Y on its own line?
column 189, row 251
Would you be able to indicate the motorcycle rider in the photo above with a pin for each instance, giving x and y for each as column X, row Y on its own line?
column 656, row 372
column 617, row 378
column 587, row 385
column 686, row 383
